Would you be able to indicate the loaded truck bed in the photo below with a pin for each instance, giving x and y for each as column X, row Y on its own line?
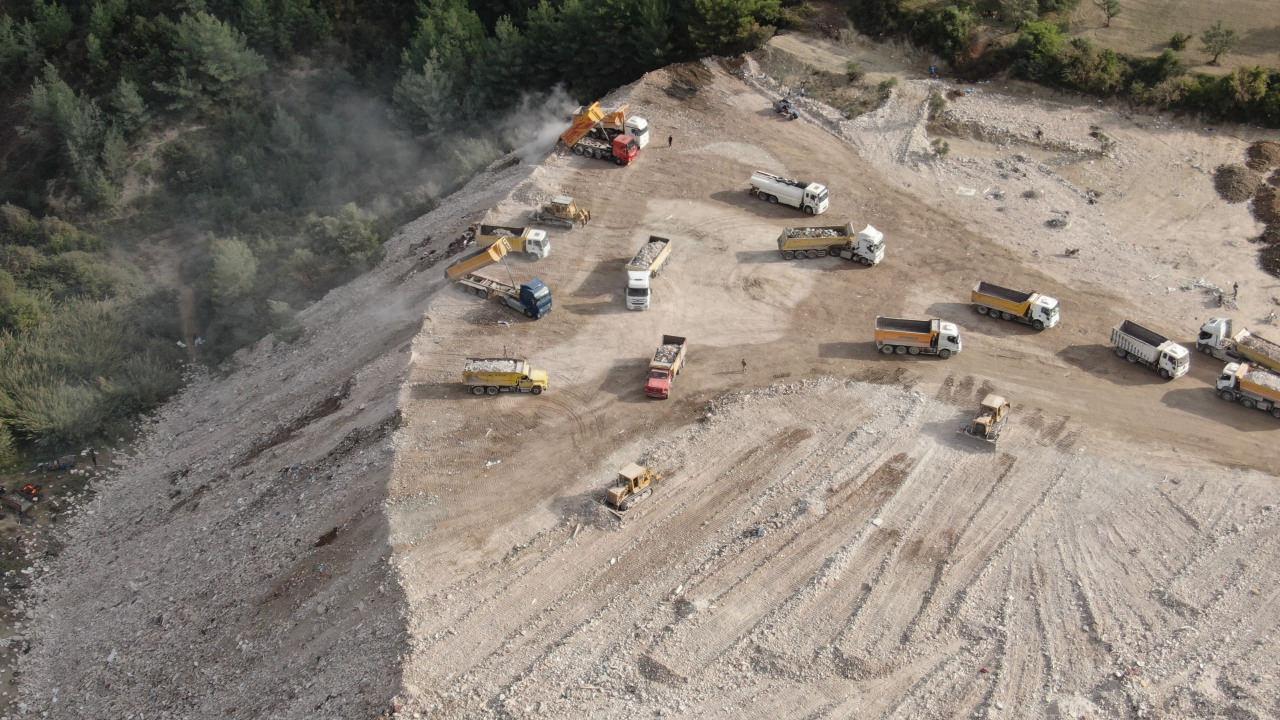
column 491, row 365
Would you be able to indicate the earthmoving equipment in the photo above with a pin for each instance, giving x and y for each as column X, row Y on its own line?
column 530, row 241
column 1220, row 339
column 990, row 420
column 866, row 247
column 490, row 376
column 1252, row 387
column 1138, row 344
column 606, row 135
column 648, row 260
column 785, row 108
column 562, row 211
column 532, row 298
column 1029, row 308
column 917, row 337
column 808, row 196
column 667, row 362
column 635, row 483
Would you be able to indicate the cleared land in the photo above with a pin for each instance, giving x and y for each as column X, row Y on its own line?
column 1145, row 26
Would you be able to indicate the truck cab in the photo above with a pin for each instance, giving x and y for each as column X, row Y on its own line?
column 535, row 243
column 948, row 337
column 659, row 384
column 535, row 299
column 871, row 245
column 1045, row 309
column 638, row 128
column 638, row 293
column 1213, row 337
column 1174, row 360
column 815, row 199
column 625, row 148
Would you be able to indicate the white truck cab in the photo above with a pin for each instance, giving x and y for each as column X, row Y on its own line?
column 638, row 128
column 870, row 245
column 536, row 243
column 1045, row 309
column 948, row 337
column 638, row 289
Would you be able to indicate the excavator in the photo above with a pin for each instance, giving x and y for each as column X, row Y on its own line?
column 532, row 298
column 606, row 135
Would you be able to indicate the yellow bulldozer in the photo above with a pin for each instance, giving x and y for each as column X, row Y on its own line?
column 563, row 212
column 992, row 415
column 635, row 483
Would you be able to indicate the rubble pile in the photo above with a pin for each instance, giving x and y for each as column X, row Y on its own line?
column 492, row 365
column 812, row 232
column 1236, row 183
column 666, row 354
column 648, row 253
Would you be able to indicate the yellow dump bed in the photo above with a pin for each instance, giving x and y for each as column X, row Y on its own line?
column 1259, row 350
column 1259, row 382
column 815, row 238
column 899, row 331
column 478, row 259
column 582, row 124
column 1014, row 302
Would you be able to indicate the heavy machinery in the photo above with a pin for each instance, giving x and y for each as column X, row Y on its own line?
column 808, row 196
column 648, row 260
column 990, row 420
column 917, row 337
column 866, row 247
column 490, row 376
column 1220, row 339
column 561, row 211
column 532, row 298
column 634, row 483
column 1252, row 387
column 1029, row 308
column 606, row 135
column 1138, row 344
column 667, row 362
column 531, row 241
column 785, row 108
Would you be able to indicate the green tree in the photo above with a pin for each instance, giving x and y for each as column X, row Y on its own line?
column 1039, row 50
column 727, row 26
column 946, row 29
column 256, row 22
column 425, row 97
column 232, row 270
column 350, row 236
column 214, row 64
column 1218, row 41
column 52, row 24
column 1109, row 8
column 1019, row 12
column 105, row 16
column 128, row 109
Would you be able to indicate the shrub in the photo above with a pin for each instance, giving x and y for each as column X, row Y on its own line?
column 1039, row 51
column 853, row 71
column 1100, row 72
column 878, row 17
column 232, row 270
column 946, row 29
column 1179, row 41
column 1218, row 41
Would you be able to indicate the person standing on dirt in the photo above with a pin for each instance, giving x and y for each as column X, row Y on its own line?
column 1235, row 291
column 670, row 139
column 744, row 366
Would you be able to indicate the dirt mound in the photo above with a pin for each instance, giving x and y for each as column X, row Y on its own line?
column 1263, row 155
column 1274, row 180
column 1269, row 259
column 1270, row 236
column 1235, row 183
column 1266, row 205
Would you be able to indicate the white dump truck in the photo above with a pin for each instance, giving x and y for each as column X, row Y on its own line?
column 866, row 247
column 808, row 196
column 644, row 266
column 903, row 336
column 1220, row 338
column 1138, row 344
column 1250, row 386
column 1031, row 308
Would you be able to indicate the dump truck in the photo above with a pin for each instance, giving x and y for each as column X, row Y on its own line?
column 648, row 260
column 481, row 258
column 866, row 247
column 987, row 425
column 1138, row 344
column 532, row 298
column 1252, row 387
column 606, row 135
column 667, row 362
column 530, row 241
column 490, row 376
column 917, row 337
column 561, row 211
column 808, row 196
column 1030, row 308
column 1220, row 339
column 634, row 483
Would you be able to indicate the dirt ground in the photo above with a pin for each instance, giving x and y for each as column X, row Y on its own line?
column 338, row 529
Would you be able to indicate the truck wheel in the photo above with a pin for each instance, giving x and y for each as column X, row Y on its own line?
column 886, row 349
column 771, row 198
column 901, row 349
column 1248, row 402
column 491, row 390
column 1037, row 324
column 808, row 209
column 1275, row 411
column 788, row 255
column 1165, row 374
column 1227, row 395
column 980, row 309
column 944, row 353
column 1206, row 349
column 1006, row 316
column 865, row 261
column 1131, row 357
column 1119, row 352
column 914, row 350
column 477, row 389
column 537, row 390
column 577, row 149
column 528, row 313
column 618, row 161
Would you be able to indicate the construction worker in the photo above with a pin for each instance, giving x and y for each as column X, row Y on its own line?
column 1235, row 291
column 744, row 366
column 670, row 140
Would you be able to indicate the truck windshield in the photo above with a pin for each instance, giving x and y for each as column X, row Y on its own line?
column 822, row 196
column 658, row 374
column 637, row 292
column 542, row 292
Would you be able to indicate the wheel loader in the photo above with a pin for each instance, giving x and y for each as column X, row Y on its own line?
column 563, row 212
column 992, row 415
column 634, row 484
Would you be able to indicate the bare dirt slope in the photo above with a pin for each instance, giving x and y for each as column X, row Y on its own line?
column 827, row 547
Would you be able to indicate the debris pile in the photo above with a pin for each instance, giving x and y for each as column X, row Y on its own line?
column 666, row 353
column 1263, row 155
column 1235, row 183
column 812, row 232
column 648, row 253
column 1266, row 205
column 492, row 365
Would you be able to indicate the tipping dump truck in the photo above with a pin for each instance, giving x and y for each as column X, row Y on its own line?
column 808, row 196
column 561, row 211
column 1029, row 308
column 635, row 483
column 1138, row 344
column 648, row 260
column 532, row 298
column 606, row 135
column 917, row 337
column 530, row 241
column 667, row 362
column 1219, row 338
column 1252, row 387
column 490, row 376
column 866, row 247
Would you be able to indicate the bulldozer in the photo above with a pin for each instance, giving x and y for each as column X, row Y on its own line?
column 992, row 415
column 562, row 211
column 635, row 483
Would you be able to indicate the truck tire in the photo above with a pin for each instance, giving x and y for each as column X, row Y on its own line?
column 808, row 209
column 1248, row 402
column 537, row 390
column 1131, row 357
column 980, row 309
column 618, row 161
column 944, row 353
column 477, row 389
column 770, row 198
column 788, row 255
column 1275, row 411
column 1227, row 395
column 1006, row 316
column 864, row 261
column 1119, row 352
column 886, row 349
column 1037, row 324
column 900, row 349
column 577, row 149
column 491, row 390
column 913, row 350
column 1164, row 374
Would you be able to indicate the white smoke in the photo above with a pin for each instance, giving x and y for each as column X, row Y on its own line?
column 532, row 127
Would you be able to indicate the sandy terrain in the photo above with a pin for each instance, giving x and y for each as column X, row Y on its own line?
column 1145, row 26
column 339, row 530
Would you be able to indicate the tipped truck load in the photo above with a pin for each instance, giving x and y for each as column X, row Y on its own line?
column 1138, row 344
column 611, row 135
column 1030, row 308
column 530, row 241
column 808, row 196
column 648, row 260
column 866, row 247
column 1219, row 338
column 1250, row 386
column 917, row 337
column 481, row 258
column 635, row 483
column 668, row 361
column 490, row 376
